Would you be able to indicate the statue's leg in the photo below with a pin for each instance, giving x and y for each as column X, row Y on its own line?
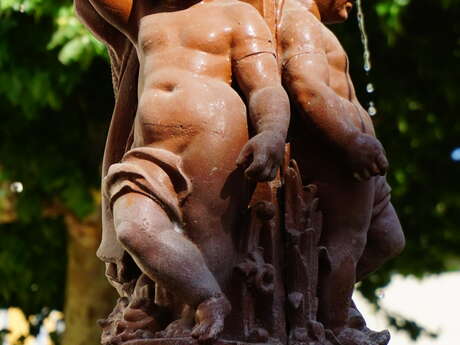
column 336, row 286
column 347, row 210
column 166, row 255
column 385, row 239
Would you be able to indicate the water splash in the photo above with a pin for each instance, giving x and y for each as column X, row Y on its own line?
column 16, row 187
column 367, row 65
column 370, row 88
column 372, row 110
column 362, row 28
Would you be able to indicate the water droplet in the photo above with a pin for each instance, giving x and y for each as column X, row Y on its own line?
column 364, row 40
column 380, row 293
column 16, row 187
column 455, row 155
column 372, row 110
column 370, row 88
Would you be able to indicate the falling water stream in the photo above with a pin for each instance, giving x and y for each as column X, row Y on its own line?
column 372, row 110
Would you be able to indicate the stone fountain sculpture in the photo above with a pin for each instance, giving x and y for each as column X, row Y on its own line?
column 214, row 230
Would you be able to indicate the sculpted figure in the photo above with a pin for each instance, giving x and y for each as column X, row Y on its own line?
column 175, row 194
column 333, row 141
column 174, row 199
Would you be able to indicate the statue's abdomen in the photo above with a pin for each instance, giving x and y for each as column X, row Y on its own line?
column 204, row 121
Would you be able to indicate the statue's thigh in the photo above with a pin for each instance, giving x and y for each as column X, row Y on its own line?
column 385, row 236
column 136, row 215
column 347, row 210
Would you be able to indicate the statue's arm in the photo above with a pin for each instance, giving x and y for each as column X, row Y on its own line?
column 268, row 102
column 305, row 73
column 256, row 71
column 102, row 29
column 122, row 14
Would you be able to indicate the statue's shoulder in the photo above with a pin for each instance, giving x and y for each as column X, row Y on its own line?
column 297, row 20
column 299, row 31
column 245, row 17
column 238, row 9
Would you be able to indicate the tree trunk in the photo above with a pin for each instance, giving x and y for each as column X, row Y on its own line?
column 89, row 296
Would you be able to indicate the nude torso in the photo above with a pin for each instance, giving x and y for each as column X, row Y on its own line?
column 188, row 106
column 185, row 75
column 339, row 79
column 346, row 204
column 303, row 34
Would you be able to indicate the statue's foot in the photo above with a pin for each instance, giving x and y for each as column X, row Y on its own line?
column 356, row 321
column 179, row 328
column 377, row 338
column 209, row 317
column 351, row 336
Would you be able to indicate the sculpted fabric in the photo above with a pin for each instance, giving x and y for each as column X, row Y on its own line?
column 125, row 69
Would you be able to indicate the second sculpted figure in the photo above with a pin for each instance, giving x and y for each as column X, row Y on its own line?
column 177, row 194
column 201, row 116
column 333, row 141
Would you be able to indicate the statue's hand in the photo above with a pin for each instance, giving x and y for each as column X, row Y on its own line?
column 366, row 157
column 262, row 155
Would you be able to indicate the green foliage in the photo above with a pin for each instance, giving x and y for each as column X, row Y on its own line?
column 390, row 13
column 55, row 103
column 411, row 327
column 37, row 253
column 75, row 44
column 417, row 97
column 415, row 51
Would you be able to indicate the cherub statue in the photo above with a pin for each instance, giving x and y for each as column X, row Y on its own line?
column 174, row 196
column 333, row 141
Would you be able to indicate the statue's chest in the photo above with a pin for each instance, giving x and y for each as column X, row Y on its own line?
column 338, row 66
column 205, row 32
column 336, row 56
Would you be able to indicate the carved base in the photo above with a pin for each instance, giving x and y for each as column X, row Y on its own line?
column 273, row 290
column 191, row 341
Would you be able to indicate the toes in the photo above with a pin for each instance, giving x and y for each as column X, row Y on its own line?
column 210, row 316
column 176, row 329
column 380, row 338
column 215, row 330
column 205, row 332
column 200, row 330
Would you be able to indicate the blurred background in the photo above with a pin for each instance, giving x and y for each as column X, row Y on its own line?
column 56, row 100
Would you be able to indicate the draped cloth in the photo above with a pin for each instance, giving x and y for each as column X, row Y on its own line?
column 155, row 173
column 125, row 69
